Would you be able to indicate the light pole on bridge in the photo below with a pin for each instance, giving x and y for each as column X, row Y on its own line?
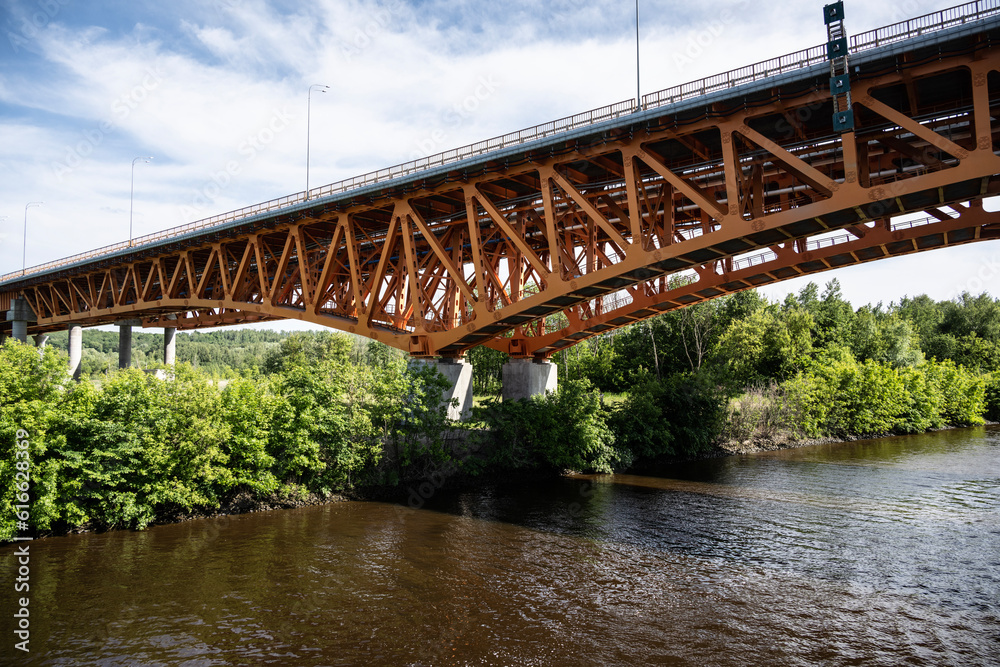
column 131, row 194
column 638, row 88
column 24, row 240
column 321, row 89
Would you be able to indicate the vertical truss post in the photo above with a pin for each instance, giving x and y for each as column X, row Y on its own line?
column 836, row 53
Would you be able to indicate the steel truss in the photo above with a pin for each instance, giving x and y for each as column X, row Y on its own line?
column 532, row 255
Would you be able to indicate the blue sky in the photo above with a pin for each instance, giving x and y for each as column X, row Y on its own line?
column 215, row 91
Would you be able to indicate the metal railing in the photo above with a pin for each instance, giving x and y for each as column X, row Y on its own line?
column 736, row 77
column 947, row 18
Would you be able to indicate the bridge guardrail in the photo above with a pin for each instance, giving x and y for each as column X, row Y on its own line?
column 946, row 18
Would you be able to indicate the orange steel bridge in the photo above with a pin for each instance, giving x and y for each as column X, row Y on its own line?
column 536, row 240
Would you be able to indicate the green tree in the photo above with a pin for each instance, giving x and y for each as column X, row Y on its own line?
column 766, row 345
column 31, row 385
column 562, row 430
column 679, row 416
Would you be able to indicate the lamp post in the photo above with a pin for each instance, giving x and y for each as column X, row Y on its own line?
column 24, row 247
column 321, row 89
column 131, row 195
column 638, row 89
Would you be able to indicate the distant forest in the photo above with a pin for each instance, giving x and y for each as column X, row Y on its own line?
column 224, row 353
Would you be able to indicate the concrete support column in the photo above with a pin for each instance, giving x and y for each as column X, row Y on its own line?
column 459, row 373
column 20, row 314
column 41, row 340
column 524, row 378
column 124, row 345
column 75, row 350
column 169, row 346
column 125, row 341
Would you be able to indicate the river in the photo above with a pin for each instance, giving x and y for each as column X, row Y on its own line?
column 880, row 552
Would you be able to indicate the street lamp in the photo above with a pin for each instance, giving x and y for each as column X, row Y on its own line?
column 131, row 195
column 322, row 89
column 24, row 248
column 638, row 88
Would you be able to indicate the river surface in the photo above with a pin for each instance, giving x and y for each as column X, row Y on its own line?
column 882, row 552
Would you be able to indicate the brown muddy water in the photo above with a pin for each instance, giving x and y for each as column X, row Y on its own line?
column 883, row 552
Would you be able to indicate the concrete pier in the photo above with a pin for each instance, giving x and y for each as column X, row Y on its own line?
column 459, row 373
column 524, row 378
column 124, row 345
column 75, row 350
column 20, row 314
column 125, row 341
column 169, row 346
column 41, row 340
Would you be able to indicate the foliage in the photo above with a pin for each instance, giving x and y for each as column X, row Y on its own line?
column 137, row 449
column 992, row 397
column 679, row 416
column 763, row 346
column 323, row 412
column 31, row 388
column 843, row 397
column 760, row 412
column 964, row 394
column 416, row 436
column 565, row 429
column 487, row 369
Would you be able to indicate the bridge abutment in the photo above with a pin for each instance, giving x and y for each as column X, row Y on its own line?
column 524, row 378
column 459, row 374
column 75, row 350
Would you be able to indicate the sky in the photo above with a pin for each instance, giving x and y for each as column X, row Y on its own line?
column 216, row 92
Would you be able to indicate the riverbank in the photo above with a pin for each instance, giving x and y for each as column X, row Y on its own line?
column 241, row 503
column 787, row 441
column 416, row 490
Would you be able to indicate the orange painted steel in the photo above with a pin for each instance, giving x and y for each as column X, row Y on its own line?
column 592, row 229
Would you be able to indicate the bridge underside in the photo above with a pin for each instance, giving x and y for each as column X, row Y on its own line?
column 534, row 253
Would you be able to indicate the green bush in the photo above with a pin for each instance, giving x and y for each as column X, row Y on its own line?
column 680, row 416
column 992, row 397
column 924, row 401
column 565, row 429
column 964, row 393
column 31, row 390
